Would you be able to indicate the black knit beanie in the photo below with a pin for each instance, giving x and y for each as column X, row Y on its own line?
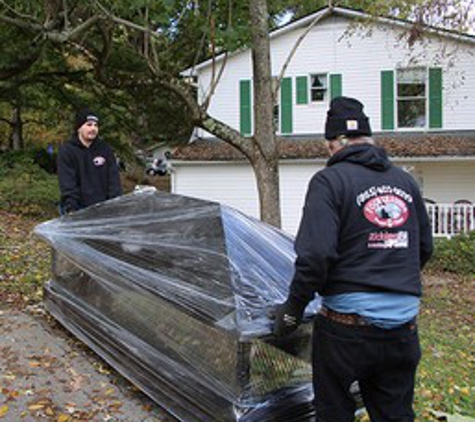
column 84, row 116
column 346, row 118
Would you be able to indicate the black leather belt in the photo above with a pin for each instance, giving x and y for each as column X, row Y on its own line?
column 346, row 319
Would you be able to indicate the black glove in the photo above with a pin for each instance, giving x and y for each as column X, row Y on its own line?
column 65, row 209
column 288, row 316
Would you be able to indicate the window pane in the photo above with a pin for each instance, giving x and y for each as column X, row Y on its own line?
column 319, row 81
column 416, row 75
column 318, row 87
column 411, row 113
column 274, row 90
column 411, row 90
column 276, row 115
column 318, row 95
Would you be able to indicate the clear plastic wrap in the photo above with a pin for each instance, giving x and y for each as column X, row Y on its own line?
column 174, row 292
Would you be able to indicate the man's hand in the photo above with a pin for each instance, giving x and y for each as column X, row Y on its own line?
column 288, row 316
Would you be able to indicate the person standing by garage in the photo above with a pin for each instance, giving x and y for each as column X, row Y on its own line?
column 87, row 167
column 362, row 242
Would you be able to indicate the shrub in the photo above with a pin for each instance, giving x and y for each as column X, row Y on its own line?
column 455, row 255
column 25, row 187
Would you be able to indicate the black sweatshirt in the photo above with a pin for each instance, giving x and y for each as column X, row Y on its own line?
column 87, row 175
column 364, row 228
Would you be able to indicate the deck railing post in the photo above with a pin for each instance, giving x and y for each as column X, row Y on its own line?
column 448, row 220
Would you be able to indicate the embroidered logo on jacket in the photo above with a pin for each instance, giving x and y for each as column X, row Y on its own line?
column 387, row 208
column 387, row 240
column 99, row 161
column 386, row 211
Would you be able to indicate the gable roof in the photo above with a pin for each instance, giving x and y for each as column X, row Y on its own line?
column 409, row 146
column 348, row 13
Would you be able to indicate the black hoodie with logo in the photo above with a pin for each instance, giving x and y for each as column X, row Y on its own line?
column 364, row 228
column 87, row 175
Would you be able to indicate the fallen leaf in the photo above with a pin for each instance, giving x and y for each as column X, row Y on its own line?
column 49, row 411
column 77, row 382
column 3, row 410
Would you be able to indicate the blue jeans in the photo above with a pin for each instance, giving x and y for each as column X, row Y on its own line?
column 384, row 363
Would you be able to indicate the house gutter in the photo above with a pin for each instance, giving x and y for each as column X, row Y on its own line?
column 319, row 160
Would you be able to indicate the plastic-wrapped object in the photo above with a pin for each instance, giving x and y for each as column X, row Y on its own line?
column 174, row 293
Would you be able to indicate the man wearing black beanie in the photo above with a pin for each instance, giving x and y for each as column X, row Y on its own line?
column 87, row 167
column 362, row 242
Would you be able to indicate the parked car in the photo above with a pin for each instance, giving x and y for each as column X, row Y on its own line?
column 158, row 166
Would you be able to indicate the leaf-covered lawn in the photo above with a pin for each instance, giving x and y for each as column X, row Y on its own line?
column 25, row 261
column 446, row 378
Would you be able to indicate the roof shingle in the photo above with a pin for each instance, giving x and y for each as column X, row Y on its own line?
column 414, row 145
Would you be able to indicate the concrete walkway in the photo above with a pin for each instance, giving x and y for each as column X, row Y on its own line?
column 47, row 375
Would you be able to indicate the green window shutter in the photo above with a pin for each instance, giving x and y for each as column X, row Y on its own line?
column 335, row 86
column 302, row 89
column 435, row 98
column 387, row 99
column 245, row 111
column 286, row 126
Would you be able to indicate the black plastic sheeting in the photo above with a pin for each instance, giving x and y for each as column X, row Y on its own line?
column 174, row 293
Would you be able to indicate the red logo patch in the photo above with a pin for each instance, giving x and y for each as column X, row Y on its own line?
column 386, row 211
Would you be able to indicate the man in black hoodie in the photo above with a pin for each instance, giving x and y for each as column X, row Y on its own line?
column 362, row 242
column 87, row 168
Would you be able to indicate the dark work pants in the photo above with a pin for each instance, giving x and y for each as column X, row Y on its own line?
column 383, row 362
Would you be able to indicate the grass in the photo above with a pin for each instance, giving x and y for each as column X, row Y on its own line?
column 25, row 261
column 446, row 377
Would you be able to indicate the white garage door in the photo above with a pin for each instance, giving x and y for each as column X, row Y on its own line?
column 234, row 184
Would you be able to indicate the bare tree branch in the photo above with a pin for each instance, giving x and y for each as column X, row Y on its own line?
column 8, row 122
column 214, row 82
column 317, row 19
column 215, row 79
column 66, row 15
column 127, row 23
column 56, row 36
column 18, row 14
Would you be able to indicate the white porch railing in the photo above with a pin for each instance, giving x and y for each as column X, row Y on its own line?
column 448, row 220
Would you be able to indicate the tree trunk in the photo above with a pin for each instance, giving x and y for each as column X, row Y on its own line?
column 16, row 135
column 267, row 179
column 265, row 158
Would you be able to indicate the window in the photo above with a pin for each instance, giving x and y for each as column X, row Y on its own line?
column 412, row 98
column 318, row 87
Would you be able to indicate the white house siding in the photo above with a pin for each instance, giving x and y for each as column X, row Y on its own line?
column 359, row 58
column 294, row 179
column 225, row 100
column 234, row 185
column 445, row 182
